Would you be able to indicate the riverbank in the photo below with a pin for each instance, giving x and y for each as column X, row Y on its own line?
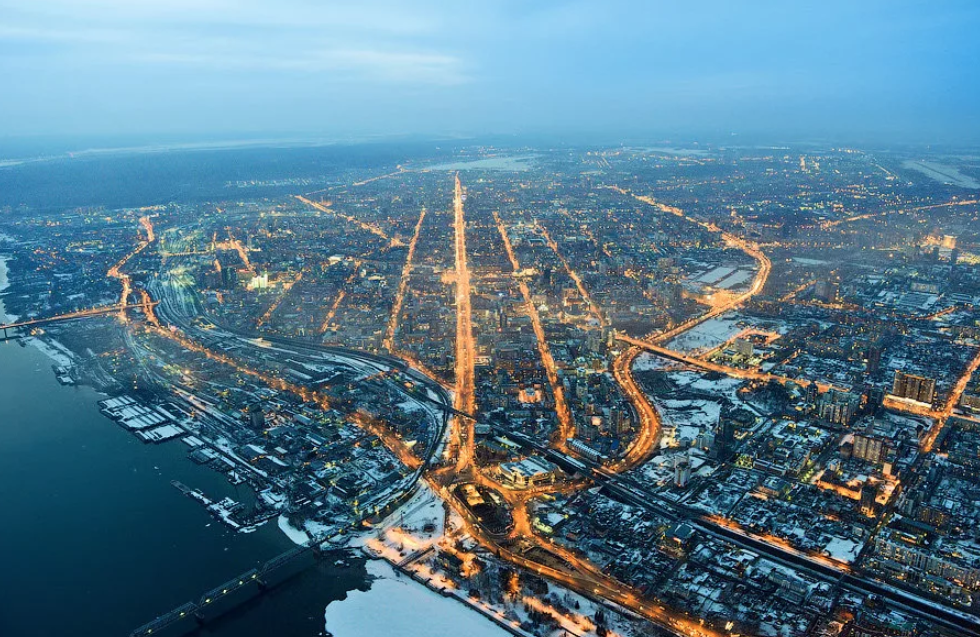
column 102, row 535
column 4, row 284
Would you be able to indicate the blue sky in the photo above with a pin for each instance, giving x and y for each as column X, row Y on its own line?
column 907, row 70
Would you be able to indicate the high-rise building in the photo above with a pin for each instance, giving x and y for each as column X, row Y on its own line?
column 869, row 494
column 812, row 394
column 723, row 444
column 682, row 470
column 256, row 417
column 870, row 449
column 838, row 407
column 826, row 290
column 917, row 388
column 874, row 357
column 743, row 347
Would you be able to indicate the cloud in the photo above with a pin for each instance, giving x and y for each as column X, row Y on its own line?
column 374, row 16
column 497, row 65
column 368, row 41
column 342, row 64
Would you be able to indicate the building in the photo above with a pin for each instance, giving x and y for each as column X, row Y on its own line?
column 529, row 472
column 869, row 493
column 790, row 587
column 875, row 352
column 826, row 291
column 682, row 470
column 743, row 347
column 870, row 449
column 912, row 387
column 838, row 407
column 256, row 417
column 723, row 445
column 891, row 546
column 584, row 450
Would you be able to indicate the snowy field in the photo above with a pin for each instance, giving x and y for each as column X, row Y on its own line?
column 842, row 549
column 689, row 417
column 736, row 279
column 647, row 362
column 707, row 335
column 727, row 386
column 397, row 605
column 52, row 349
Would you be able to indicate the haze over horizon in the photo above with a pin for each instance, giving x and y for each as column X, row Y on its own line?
column 193, row 68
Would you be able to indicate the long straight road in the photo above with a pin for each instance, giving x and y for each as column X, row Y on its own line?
column 566, row 424
column 465, row 398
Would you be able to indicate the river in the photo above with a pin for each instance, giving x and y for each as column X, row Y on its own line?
column 96, row 541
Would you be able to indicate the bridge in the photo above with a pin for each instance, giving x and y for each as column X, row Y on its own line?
column 212, row 605
column 734, row 372
column 188, row 617
column 71, row 316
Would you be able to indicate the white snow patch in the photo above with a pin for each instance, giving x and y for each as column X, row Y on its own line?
column 841, row 549
column 53, row 350
column 398, row 605
column 294, row 534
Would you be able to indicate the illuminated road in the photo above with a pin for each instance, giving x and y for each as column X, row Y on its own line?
column 465, row 395
column 175, row 331
column 593, row 306
column 400, row 171
column 731, row 301
column 954, row 398
column 70, row 316
column 789, row 296
column 734, row 372
column 148, row 227
column 564, row 566
column 373, row 229
column 579, row 573
column 964, row 202
column 566, row 425
column 286, row 287
column 649, row 425
column 115, row 272
column 234, row 244
column 396, row 308
column 582, row 576
column 649, row 421
column 332, row 311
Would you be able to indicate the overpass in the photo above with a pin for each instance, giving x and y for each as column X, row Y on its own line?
column 735, row 372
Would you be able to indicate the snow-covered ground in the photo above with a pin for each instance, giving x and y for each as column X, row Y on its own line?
column 648, row 362
column 707, row 335
column 52, row 349
column 298, row 536
column 736, row 279
column 727, row 386
column 4, row 284
column 689, row 417
column 842, row 549
column 397, row 605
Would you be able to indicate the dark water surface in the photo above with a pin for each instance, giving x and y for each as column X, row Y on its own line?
column 95, row 540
